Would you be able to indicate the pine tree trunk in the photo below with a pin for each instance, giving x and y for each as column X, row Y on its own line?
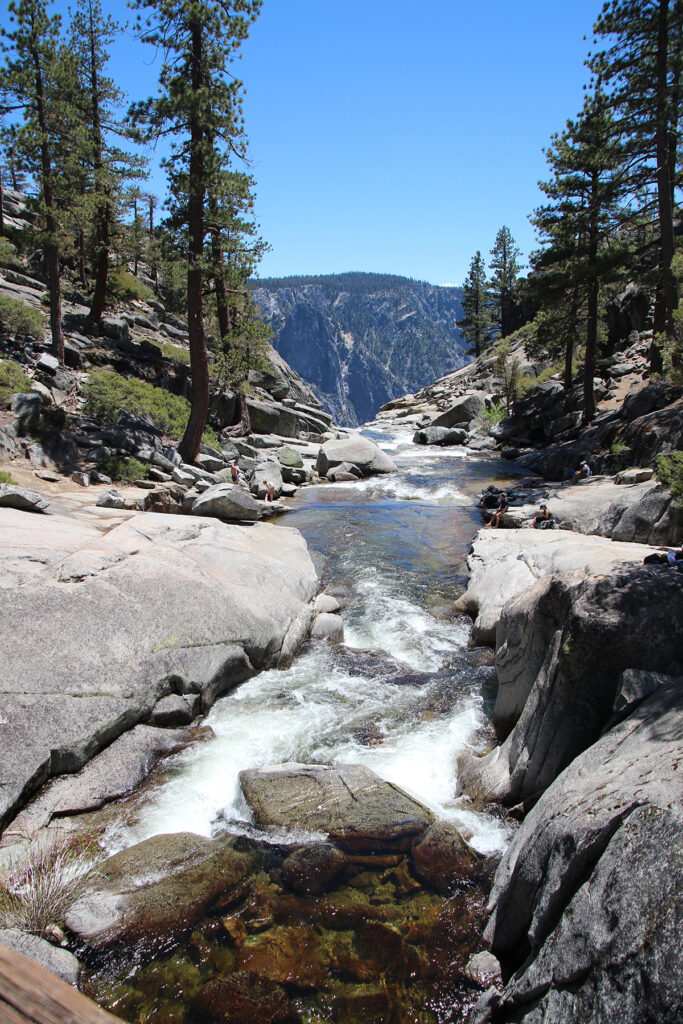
column 2, row 214
column 103, row 216
column 199, row 410
column 50, row 247
column 81, row 260
column 592, row 307
column 222, row 306
column 666, row 287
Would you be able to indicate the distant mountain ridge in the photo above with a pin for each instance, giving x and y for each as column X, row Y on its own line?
column 359, row 339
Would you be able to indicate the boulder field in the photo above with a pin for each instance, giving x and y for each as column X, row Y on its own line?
column 101, row 624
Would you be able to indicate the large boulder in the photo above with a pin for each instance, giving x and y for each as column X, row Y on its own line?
column 463, row 410
column 586, row 907
column 349, row 803
column 155, row 891
column 58, row 961
column 227, row 501
column 359, row 451
column 160, row 604
column 12, row 496
column 440, row 435
column 579, row 635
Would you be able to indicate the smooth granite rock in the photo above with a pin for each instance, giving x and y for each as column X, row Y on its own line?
column 227, row 501
column 360, row 451
column 586, row 903
column 159, row 604
column 58, row 961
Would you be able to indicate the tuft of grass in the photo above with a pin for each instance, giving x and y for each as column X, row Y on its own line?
column 126, row 287
column 36, row 891
column 107, row 394
column 13, row 381
column 8, row 255
column 17, row 318
column 669, row 471
column 618, row 447
column 119, row 467
column 6, row 478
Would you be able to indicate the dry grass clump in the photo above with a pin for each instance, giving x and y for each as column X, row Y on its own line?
column 37, row 888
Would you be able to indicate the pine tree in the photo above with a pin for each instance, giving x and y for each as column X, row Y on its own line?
column 199, row 108
column 476, row 304
column 108, row 167
column 34, row 83
column 505, row 267
column 642, row 66
column 579, row 225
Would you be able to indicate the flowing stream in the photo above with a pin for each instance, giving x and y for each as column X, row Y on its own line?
column 403, row 695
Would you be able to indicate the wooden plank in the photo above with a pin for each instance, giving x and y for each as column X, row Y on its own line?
column 30, row 994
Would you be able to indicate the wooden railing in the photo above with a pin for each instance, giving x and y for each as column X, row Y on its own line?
column 31, row 995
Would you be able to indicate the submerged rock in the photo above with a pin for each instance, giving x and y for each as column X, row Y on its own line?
column 155, row 890
column 442, row 859
column 244, row 996
column 313, row 869
column 350, row 803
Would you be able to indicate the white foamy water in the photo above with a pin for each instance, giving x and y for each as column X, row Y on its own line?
column 395, row 697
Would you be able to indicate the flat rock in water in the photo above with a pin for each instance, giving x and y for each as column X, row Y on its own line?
column 155, row 890
column 348, row 802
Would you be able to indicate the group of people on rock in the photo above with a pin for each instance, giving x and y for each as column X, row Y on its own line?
column 498, row 500
column 235, row 474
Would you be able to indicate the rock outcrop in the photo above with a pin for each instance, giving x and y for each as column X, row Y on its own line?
column 96, row 629
column 561, row 651
column 586, row 911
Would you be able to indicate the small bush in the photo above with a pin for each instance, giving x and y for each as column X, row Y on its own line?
column 174, row 352
column 8, row 255
column 118, row 467
column 108, row 394
column 126, row 287
column 13, row 381
column 618, row 447
column 18, row 318
column 669, row 471
column 6, row 478
column 37, row 891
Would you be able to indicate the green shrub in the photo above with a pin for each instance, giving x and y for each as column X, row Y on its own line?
column 107, row 394
column 618, row 447
column 13, row 381
column 119, row 467
column 669, row 471
column 18, row 318
column 6, row 478
column 8, row 255
column 126, row 287
column 174, row 352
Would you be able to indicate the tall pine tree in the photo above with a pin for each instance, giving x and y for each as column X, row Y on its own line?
column 642, row 65
column 199, row 109
column 476, row 304
column 505, row 269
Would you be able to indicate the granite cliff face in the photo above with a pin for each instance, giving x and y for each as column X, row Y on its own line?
column 361, row 340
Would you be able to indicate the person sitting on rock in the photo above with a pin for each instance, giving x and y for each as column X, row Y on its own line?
column 489, row 497
column 543, row 515
column 502, row 507
column 235, row 472
column 270, row 493
column 582, row 473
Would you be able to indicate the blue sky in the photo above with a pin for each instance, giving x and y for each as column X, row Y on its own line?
column 392, row 136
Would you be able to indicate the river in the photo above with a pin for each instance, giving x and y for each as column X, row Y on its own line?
column 403, row 695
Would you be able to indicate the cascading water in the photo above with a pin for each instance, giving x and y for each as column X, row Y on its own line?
column 403, row 695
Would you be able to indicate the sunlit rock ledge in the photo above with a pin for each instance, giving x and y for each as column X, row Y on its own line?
column 97, row 628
